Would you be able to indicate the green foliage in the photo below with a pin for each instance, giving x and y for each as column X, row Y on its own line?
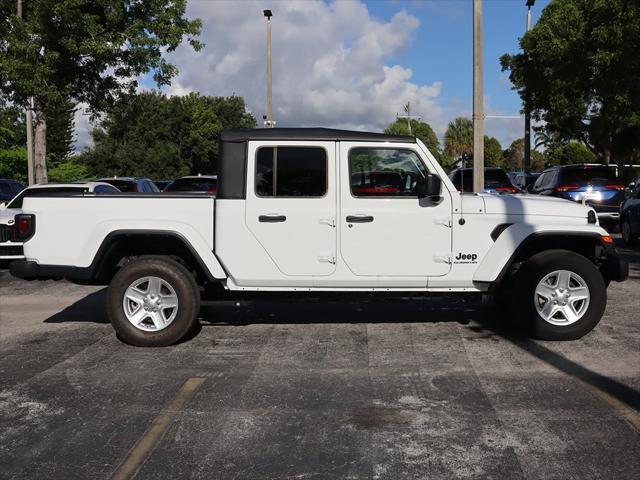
column 60, row 132
column 88, row 51
column 69, row 171
column 153, row 135
column 492, row 152
column 538, row 161
column 458, row 140
column 570, row 153
column 514, row 156
column 421, row 130
column 579, row 73
column 13, row 163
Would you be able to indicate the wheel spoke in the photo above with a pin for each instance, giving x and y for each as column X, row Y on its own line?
column 545, row 291
column 169, row 301
column 579, row 293
column 158, row 320
column 569, row 314
column 564, row 279
column 548, row 310
column 138, row 316
column 155, row 286
column 134, row 294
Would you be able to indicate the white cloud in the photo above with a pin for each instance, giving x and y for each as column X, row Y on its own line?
column 83, row 127
column 330, row 63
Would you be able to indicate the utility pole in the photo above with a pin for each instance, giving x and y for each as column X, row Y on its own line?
column 408, row 116
column 29, row 125
column 527, row 113
column 478, row 100
column 269, row 123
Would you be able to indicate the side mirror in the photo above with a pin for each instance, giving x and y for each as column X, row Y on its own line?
column 429, row 187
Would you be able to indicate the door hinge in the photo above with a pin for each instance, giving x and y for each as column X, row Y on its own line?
column 446, row 221
column 331, row 221
column 442, row 259
column 327, row 259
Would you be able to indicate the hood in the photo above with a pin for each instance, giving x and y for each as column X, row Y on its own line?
column 8, row 214
column 533, row 205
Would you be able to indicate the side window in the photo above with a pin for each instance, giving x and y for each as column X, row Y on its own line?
column 17, row 187
column 540, row 181
column 152, row 187
column 384, row 172
column 291, row 172
column 104, row 189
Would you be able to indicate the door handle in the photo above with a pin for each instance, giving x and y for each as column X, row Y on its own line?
column 272, row 218
column 359, row 219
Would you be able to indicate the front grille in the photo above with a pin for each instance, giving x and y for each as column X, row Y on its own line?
column 7, row 233
column 13, row 251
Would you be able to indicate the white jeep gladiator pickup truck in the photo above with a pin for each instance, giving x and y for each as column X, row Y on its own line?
column 317, row 211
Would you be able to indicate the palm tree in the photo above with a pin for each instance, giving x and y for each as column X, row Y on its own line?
column 458, row 139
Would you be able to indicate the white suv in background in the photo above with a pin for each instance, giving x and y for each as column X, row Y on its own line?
column 11, row 247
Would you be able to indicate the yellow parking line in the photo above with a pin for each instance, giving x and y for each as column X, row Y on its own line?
column 625, row 411
column 143, row 447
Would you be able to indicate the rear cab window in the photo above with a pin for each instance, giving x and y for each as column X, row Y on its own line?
column 291, row 172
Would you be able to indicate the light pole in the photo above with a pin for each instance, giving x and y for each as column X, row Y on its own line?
column 527, row 113
column 478, row 100
column 269, row 123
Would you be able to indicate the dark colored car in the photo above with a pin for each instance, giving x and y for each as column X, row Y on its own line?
column 132, row 184
column 595, row 185
column 195, row 184
column 495, row 180
column 9, row 189
column 162, row 184
column 524, row 181
column 630, row 215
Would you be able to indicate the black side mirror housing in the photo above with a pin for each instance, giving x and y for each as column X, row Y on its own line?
column 429, row 187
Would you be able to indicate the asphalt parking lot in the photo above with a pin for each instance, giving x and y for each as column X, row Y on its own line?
column 393, row 390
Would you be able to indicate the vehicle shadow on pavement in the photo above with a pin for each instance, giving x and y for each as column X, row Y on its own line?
column 90, row 309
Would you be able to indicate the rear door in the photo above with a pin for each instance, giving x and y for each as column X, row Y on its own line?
column 291, row 204
column 385, row 229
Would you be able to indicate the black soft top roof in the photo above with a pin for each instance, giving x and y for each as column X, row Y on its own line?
column 331, row 134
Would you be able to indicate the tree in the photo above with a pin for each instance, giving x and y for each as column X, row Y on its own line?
column 570, row 153
column 60, row 131
column 514, row 156
column 458, row 140
column 421, row 130
column 88, row 52
column 492, row 152
column 578, row 71
column 150, row 134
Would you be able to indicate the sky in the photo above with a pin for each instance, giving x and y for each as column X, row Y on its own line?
column 352, row 63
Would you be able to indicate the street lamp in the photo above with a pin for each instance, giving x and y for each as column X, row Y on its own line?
column 268, row 122
column 527, row 113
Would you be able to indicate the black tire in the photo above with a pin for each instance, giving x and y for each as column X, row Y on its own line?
column 627, row 233
column 541, row 265
column 186, row 290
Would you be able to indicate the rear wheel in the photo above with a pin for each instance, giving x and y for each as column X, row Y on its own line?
column 627, row 232
column 561, row 294
column 153, row 302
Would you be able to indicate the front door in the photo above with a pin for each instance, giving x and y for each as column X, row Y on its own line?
column 386, row 230
column 291, row 205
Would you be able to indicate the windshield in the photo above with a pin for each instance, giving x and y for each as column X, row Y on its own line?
column 122, row 185
column 37, row 192
column 592, row 175
column 193, row 185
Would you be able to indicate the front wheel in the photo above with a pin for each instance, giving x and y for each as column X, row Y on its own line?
column 627, row 233
column 561, row 294
column 153, row 302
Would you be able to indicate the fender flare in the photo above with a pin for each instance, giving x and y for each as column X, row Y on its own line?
column 513, row 239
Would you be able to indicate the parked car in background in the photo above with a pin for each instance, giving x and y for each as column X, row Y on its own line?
column 595, row 185
column 9, row 189
column 495, row 180
column 630, row 214
column 162, row 184
column 132, row 184
column 195, row 183
column 10, row 244
column 524, row 181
